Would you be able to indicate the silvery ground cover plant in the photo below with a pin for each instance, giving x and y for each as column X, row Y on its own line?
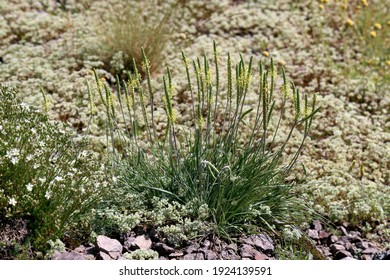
column 194, row 121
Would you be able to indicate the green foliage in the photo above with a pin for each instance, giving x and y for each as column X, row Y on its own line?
column 125, row 28
column 240, row 178
column 45, row 177
column 141, row 254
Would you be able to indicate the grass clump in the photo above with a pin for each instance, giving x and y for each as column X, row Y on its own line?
column 128, row 26
column 46, row 179
column 228, row 162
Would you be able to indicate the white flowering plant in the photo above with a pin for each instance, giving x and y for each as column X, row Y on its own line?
column 45, row 178
column 240, row 178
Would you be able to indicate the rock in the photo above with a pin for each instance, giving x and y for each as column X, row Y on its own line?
column 264, row 243
column 343, row 230
column 130, row 244
column 260, row 256
column 193, row 248
column 317, row 225
column 332, row 239
column 211, row 255
column 104, row 256
column 232, row 246
column 334, row 248
column 323, row 235
column 206, row 243
column 163, row 249
column 347, row 259
column 67, row 256
column 112, row 247
column 370, row 250
column 342, row 254
column 162, row 258
column 194, row 256
column 81, row 249
column 177, row 254
column 362, row 245
column 246, row 251
column 143, row 242
column 366, row 257
column 354, row 236
column 313, row 234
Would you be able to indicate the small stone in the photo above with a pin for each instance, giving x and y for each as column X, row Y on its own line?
column 366, row 257
column 232, row 246
column 323, row 235
column 193, row 248
column 143, row 242
column 332, row 239
column 342, row 254
column 210, row 255
column 67, row 256
column 162, row 258
column 105, row 257
column 334, row 248
column 313, row 234
column 246, row 251
column 347, row 259
column 260, row 256
column 130, row 244
column 343, row 230
column 317, row 225
column 206, row 243
column 109, row 246
column 81, row 249
column 362, row 245
column 176, row 254
column 264, row 243
column 194, row 256
column 371, row 250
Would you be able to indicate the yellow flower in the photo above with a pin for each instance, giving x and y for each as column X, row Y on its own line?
column 266, row 53
column 281, row 62
column 388, row 62
column 377, row 26
column 349, row 22
column 364, row 3
column 388, row 23
column 321, row 7
column 373, row 34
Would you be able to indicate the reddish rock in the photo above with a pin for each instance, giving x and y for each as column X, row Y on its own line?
column 67, row 256
column 143, row 242
column 109, row 246
column 334, row 248
column 313, row 234
column 317, row 225
column 342, row 254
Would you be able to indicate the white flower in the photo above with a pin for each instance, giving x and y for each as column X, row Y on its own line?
column 42, row 180
column 14, row 160
column 12, row 201
column 58, row 179
column 48, row 195
column 29, row 157
column 29, row 187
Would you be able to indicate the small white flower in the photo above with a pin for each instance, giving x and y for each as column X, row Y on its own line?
column 42, row 180
column 29, row 187
column 58, row 179
column 48, row 195
column 29, row 157
column 12, row 201
column 14, row 160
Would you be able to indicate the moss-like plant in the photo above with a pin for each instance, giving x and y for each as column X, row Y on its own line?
column 46, row 179
column 228, row 159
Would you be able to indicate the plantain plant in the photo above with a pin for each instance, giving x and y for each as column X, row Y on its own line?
column 228, row 161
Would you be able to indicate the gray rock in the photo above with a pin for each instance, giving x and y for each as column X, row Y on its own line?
column 342, row 254
column 313, row 234
column 370, row 250
column 104, row 256
column 112, row 247
column 67, row 256
column 177, row 254
column 246, row 251
column 232, row 246
column 332, row 239
column 366, row 257
column 211, row 255
column 264, row 243
column 334, row 248
column 348, row 259
column 260, row 256
column 143, row 242
column 343, row 230
column 317, row 225
column 206, row 243
column 81, row 249
column 130, row 244
column 194, row 256
column 323, row 235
